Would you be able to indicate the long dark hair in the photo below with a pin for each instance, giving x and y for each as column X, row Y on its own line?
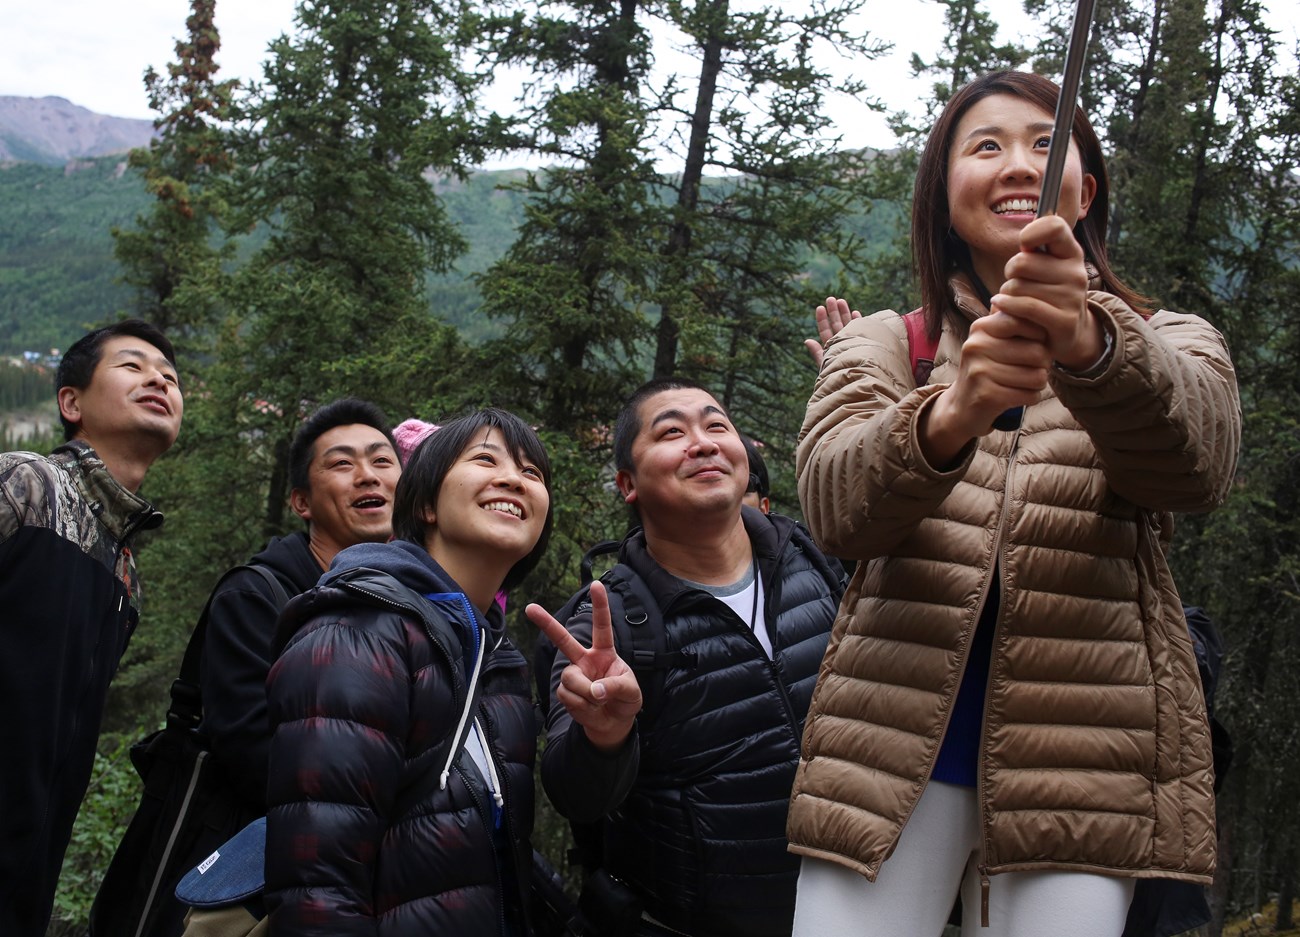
column 421, row 480
column 937, row 252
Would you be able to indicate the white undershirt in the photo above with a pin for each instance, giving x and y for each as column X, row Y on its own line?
column 745, row 598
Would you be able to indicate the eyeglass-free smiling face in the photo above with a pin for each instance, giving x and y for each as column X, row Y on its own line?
column 490, row 502
column 687, row 457
column 349, row 495
column 995, row 172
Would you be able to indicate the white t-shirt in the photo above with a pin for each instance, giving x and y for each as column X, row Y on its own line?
column 745, row 598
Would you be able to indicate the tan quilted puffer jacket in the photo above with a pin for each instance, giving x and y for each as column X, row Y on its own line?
column 1096, row 753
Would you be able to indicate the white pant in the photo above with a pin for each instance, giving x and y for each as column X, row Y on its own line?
column 938, row 852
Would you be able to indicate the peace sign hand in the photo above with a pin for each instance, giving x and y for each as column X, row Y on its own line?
column 598, row 689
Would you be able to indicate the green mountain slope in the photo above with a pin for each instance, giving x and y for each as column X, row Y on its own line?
column 58, row 274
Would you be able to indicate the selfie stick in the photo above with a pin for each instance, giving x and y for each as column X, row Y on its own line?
column 1050, row 196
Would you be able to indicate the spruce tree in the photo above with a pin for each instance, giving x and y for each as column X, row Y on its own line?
column 171, row 257
column 361, row 114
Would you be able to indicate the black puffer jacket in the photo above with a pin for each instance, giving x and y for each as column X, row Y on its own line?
column 697, row 799
column 380, row 822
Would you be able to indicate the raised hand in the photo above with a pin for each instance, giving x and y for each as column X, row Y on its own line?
column 830, row 319
column 598, row 689
column 1047, row 284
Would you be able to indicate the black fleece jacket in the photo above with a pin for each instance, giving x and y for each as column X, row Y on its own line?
column 237, row 655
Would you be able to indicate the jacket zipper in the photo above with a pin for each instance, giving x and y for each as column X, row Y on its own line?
column 929, row 771
column 771, row 596
column 485, row 816
column 480, row 653
column 512, row 839
column 773, row 666
column 493, row 777
column 1000, row 549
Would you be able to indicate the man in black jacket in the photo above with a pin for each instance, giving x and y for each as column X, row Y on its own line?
column 70, row 594
column 343, row 468
column 690, row 791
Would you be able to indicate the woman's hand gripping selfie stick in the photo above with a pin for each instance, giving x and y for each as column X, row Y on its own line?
column 1050, row 196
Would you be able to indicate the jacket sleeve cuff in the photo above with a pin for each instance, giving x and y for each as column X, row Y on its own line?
column 955, row 469
column 1111, row 353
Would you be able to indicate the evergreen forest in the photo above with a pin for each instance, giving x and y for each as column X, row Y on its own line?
column 319, row 232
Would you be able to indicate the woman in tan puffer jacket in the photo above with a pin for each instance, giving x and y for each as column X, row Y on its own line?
column 1010, row 699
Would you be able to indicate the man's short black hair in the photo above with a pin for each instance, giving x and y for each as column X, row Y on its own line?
column 628, row 424
column 417, row 489
column 348, row 411
column 79, row 362
column 758, row 478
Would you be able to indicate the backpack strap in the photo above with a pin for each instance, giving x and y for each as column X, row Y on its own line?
column 919, row 346
column 640, row 638
column 186, row 709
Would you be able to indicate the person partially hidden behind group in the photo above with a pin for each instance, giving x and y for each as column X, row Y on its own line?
column 400, row 784
column 343, row 471
column 1009, row 703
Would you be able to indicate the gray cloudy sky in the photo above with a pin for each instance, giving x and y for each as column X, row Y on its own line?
column 94, row 52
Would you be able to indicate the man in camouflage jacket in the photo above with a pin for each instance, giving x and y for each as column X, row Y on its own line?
column 69, row 596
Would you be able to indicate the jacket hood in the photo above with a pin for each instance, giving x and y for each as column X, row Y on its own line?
column 409, row 565
column 291, row 559
column 406, row 562
column 768, row 535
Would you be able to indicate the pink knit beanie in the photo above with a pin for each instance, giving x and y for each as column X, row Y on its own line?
column 410, row 433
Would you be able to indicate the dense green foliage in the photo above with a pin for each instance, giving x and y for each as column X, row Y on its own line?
column 169, row 256
column 319, row 233
column 58, row 274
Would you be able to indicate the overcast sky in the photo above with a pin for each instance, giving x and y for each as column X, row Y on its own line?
column 94, row 52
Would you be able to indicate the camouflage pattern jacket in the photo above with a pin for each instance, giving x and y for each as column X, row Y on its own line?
column 69, row 600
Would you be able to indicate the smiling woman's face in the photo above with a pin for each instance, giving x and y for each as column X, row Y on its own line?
column 489, row 503
column 995, row 172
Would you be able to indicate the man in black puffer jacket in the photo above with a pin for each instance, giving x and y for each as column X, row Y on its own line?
column 692, row 792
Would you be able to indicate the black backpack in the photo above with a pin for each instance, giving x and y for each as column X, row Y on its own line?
column 186, row 808
column 638, row 630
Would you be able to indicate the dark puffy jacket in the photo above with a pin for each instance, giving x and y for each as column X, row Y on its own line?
column 696, row 801
column 380, row 823
column 70, row 597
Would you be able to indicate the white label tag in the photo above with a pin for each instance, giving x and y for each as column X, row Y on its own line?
column 207, row 863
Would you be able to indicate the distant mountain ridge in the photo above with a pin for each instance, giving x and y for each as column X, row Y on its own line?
column 53, row 130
